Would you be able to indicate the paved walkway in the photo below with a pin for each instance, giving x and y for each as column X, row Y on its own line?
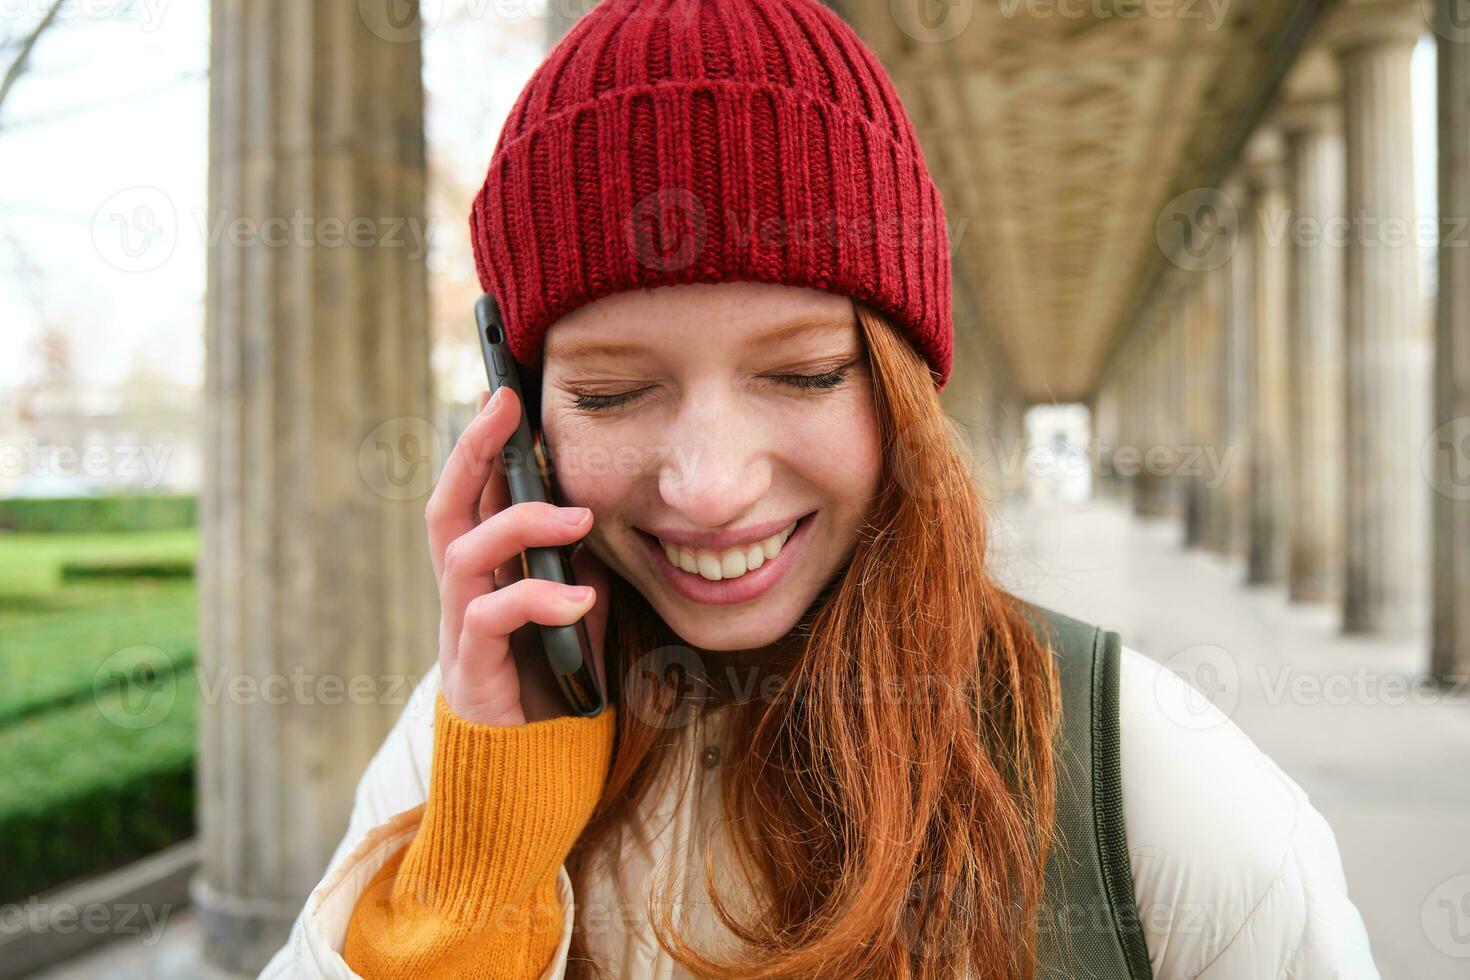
column 1384, row 754
column 172, row 955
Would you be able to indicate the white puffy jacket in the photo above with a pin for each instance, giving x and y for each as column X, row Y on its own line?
column 1237, row 876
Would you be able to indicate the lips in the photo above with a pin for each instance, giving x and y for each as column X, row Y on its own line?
column 701, row 586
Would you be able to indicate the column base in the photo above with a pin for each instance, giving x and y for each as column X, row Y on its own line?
column 240, row 934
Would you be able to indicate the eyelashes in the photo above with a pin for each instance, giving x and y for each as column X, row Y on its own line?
column 825, row 381
column 599, row 403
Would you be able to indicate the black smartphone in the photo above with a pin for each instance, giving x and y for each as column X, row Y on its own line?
column 567, row 649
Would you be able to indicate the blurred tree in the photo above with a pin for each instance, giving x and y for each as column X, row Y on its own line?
column 26, row 43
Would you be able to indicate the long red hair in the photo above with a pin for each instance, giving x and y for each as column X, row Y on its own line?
column 899, row 837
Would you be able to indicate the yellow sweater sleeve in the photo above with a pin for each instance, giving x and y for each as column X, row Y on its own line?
column 474, row 893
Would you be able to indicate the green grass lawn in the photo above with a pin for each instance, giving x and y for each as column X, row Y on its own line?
column 60, row 653
column 89, row 787
column 56, row 637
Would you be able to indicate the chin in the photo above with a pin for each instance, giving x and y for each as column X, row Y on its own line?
column 718, row 631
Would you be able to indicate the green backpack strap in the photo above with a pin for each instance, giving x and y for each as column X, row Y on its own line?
column 1089, row 923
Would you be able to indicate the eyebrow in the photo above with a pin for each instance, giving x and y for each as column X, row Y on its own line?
column 573, row 350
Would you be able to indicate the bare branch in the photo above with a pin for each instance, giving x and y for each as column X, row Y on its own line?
column 18, row 66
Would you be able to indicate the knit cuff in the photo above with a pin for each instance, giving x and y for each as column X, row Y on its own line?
column 506, row 803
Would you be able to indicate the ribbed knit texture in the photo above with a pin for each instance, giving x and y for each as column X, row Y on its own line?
column 673, row 141
column 474, row 893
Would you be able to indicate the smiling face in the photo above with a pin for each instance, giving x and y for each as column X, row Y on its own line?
column 700, row 422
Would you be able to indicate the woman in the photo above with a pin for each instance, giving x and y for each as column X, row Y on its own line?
column 863, row 777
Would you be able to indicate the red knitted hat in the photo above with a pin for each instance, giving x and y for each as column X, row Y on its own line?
column 675, row 141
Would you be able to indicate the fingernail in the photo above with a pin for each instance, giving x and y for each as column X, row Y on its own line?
column 578, row 593
column 572, row 515
column 494, row 400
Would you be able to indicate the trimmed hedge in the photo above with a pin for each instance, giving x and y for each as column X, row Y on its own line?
column 98, row 784
column 30, row 562
column 125, row 512
column 118, row 568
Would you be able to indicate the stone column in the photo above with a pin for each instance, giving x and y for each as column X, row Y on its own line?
column 1137, row 385
column 1127, row 457
column 1314, row 162
column 1387, row 338
column 1166, row 434
column 1232, row 457
column 1104, row 408
column 1142, row 426
column 1191, row 320
column 1265, row 403
column 1450, row 443
column 316, row 590
column 1013, row 428
column 1175, row 366
column 1213, row 478
column 1153, row 473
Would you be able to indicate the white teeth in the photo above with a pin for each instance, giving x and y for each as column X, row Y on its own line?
column 727, row 564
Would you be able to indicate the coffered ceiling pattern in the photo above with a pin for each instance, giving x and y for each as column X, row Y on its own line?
column 1056, row 131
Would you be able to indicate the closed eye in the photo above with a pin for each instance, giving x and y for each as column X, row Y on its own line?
column 589, row 402
column 827, row 379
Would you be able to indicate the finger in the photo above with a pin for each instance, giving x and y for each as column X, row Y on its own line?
column 489, row 620
column 469, row 475
column 487, row 684
column 472, row 559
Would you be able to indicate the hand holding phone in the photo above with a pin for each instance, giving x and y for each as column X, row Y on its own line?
column 495, row 665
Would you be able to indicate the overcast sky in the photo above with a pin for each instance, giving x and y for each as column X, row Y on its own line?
column 106, row 136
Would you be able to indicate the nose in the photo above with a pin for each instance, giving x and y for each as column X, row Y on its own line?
column 719, row 464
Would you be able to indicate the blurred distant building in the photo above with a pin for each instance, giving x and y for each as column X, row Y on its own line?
column 59, row 440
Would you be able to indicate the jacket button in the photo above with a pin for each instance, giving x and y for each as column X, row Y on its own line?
column 711, row 756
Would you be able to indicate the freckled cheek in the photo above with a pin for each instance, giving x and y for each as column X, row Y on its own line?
column 598, row 485
column 839, row 453
column 593, row 468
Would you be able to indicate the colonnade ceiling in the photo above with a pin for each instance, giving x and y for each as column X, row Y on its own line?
column 1057, row 130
